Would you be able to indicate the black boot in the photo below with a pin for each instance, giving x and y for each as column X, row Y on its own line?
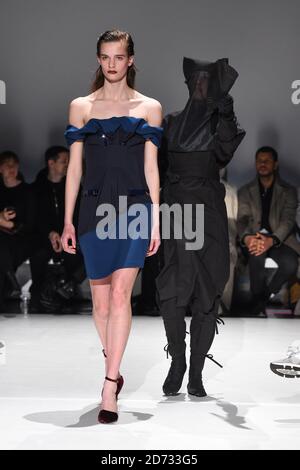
column 195, row 385
column 176, row 331
column 202, row 329
column 175, row 375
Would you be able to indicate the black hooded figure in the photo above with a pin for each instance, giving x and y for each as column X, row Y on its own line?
column 197, row 142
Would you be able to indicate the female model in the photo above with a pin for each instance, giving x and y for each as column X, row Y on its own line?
column 119, row 130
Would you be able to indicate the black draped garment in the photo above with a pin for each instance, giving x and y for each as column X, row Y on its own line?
column 196, row 143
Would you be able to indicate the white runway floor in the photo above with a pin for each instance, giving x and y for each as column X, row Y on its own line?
column 52, row 373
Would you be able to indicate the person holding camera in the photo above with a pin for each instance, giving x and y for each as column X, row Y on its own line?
column 17, row 211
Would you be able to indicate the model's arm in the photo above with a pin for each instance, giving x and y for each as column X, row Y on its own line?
column 163, row 154
column 228, row 133
column 154, row 118
column 73, row 178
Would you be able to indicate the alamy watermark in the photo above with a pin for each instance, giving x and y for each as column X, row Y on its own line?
column 295, row 96
column 184, row 217
column 2, row 92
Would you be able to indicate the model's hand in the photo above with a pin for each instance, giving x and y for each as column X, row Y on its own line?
column 69, row 234
column 54, row 238
column 225, row 105
column 154, row 242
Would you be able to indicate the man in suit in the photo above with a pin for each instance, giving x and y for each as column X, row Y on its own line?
column 266, row 223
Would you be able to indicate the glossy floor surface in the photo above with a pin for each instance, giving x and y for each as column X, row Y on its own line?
column 51, row 370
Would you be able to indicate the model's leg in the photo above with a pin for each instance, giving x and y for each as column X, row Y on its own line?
column 100, row 290
column 117, row 330
column 175, row 327
column 202, row 331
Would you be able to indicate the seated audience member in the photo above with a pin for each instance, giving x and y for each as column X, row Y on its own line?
column 17, row 214
column 298, row 216
column 49, row 190
column 266, row 223
column 231, row 202
column 294, row 294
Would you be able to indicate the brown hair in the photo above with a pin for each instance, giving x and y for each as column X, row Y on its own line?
column 110, row 36
column 8, row 155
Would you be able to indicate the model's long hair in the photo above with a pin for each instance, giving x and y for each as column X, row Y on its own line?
column 110, row 36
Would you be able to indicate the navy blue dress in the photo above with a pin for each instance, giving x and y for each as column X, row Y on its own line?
column 113, row 167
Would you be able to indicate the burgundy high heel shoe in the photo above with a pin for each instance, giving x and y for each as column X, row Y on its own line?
column 106, row 416
column 120, row 379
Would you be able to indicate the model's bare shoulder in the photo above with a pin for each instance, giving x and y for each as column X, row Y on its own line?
column 77, row 111
column 154, row 111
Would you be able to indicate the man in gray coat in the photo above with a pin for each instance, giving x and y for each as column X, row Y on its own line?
column 266, row 227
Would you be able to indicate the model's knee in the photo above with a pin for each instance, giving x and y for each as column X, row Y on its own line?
column 201, row 318
column 100, row 311
column 119, row 296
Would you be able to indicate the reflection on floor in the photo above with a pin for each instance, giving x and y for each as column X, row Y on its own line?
column 52, row 370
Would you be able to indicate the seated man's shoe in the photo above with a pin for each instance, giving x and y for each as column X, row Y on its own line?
column 259, row 305
column 289, row 367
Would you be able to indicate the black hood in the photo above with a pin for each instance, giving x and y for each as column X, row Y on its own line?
column 193, row 127
column 210, row 80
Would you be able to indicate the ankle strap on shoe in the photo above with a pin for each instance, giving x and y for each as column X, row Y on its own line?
column 103, row 350
column 111, row 380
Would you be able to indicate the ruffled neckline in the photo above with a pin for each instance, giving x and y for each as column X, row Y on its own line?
column 130, row 124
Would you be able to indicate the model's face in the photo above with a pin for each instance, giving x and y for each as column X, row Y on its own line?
column 114, row 60
column 265, row 165
column 9, row 169
column 61, row 165
column 198, row 85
